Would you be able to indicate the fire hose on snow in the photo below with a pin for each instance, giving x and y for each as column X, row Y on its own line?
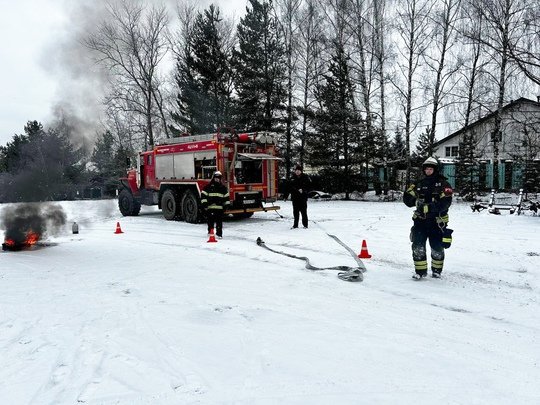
column 346, row 273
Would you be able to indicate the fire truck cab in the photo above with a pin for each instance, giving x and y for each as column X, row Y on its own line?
column 173, row 174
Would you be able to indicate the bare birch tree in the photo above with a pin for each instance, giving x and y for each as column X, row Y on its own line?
column 309, row 67
column 473, row 63
column 380, row 55
column 361, row 28
column 131, row 43
column 525, row 52
column 336, row 94
column 379, row 67
column 362, row 64
column 444, row 17
column 504, row 25
column 288, row 11
column 412, row 24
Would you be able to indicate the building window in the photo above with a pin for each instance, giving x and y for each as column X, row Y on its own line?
column 451, row 151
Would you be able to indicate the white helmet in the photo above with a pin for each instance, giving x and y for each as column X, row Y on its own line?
column 217, row 173
column 430, row 162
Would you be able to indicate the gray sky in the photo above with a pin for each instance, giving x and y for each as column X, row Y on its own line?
column 27, row 89
column 37, row 38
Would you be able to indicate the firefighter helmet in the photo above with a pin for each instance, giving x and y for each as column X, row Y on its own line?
column 430, row 162
column 217, row 173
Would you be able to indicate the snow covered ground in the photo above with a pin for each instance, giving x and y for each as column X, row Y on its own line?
column 158, row 316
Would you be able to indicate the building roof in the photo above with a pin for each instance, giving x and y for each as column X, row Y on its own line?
column 487, row 117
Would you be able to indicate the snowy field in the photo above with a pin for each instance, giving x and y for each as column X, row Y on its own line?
column 158, row 316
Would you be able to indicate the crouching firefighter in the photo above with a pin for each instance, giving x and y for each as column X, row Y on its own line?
column 432, row 196
column 215, row 200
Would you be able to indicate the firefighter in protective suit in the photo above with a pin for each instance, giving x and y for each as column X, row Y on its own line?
column 432, row 196
column 215, row 200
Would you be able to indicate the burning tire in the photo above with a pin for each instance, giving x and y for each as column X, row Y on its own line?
column 127, row 204
column 190, row 207
column 170, row 206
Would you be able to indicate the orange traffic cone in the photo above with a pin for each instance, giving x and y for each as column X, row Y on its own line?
column 364, row 254
column 118, row 229
column 211, row 237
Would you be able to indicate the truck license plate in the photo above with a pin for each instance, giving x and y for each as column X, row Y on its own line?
column 249, row 201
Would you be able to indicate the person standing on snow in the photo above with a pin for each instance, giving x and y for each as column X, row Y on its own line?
column 432, row 196
column 298, row 189
column 214, row 200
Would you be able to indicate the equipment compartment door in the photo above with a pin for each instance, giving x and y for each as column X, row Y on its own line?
column 184, row 166
column 271, row 179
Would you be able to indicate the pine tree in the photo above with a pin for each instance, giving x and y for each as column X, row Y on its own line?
column 535, row 175
column 203, row 78
column 259, row 68
column 103, row 154
column 467, row 169
column 70, row 162
column 186, row 117
column 530, row 165
column 11, row 155
column 339, row 126
column 397, row 147
column 397, row 158
column 530, row 176
column 43, row 165
column 424, row 148
column 107, row 168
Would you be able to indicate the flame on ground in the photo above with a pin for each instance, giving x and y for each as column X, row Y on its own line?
column 31, row 238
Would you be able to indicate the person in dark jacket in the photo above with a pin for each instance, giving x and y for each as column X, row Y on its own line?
column 298, row 189
column 215, row 200
column 432, row 197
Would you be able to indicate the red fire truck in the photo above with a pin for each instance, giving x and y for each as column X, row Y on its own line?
column 173, row 173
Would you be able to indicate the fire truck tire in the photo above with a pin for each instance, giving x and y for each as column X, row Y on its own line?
column 127, row 204
column 190, row 207
column 170, row 206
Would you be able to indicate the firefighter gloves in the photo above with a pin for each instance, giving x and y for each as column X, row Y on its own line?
column 421, row 207
column 424, row 208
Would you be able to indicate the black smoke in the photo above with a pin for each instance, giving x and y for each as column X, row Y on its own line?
column 82, row 84
column 42, row 219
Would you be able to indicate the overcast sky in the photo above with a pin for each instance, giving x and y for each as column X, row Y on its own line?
column 28, row 90
column 35, row 37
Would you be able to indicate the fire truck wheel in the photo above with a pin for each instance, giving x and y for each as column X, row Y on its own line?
column 127, row 204
column 169, row 205
column 190, row 207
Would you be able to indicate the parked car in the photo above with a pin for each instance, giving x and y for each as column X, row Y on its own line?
column 319, row 195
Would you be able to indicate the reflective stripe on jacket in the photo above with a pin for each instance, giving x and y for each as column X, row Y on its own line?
column 432, row 197
column 215, row 196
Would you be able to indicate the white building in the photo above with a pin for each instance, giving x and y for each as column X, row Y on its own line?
column 519, row 141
